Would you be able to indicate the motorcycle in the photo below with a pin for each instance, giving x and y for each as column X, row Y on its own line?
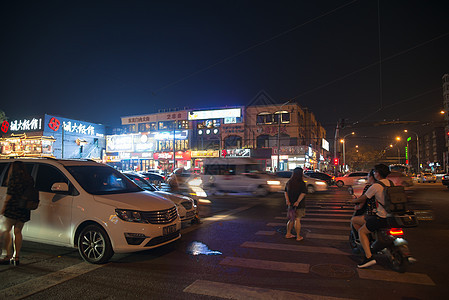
column 389, row 241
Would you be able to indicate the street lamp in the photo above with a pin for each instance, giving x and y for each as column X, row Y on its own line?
column 417, row 147
column 343, row 142
column 279, row 133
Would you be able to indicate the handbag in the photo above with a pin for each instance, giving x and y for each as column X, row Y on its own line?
column 30, row 198
column 291, row 213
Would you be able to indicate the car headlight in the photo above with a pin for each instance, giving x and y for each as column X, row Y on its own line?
column 320, row 183
column 130, row 216
column 195, row 182
column 273, row 182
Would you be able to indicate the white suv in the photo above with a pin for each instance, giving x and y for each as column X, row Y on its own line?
column 95, row 208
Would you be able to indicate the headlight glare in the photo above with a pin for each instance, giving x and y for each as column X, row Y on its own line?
column 130, row 216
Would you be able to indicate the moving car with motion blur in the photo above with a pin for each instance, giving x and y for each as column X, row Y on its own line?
column 351, row 179
column 427, row 177
column 322, row 176
column 313, row 185
column 95, row 208
column 186, row 206
column 400, row 179
column 237, row 175
column 445, row 180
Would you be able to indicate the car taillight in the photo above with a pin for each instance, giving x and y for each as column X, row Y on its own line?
column 396, row 232
column 147, row 178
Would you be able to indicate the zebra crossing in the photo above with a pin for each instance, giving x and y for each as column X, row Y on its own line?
column 325, row 222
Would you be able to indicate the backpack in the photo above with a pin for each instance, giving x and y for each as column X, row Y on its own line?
column 395, row 198
column 30, row 198
column 396, row 206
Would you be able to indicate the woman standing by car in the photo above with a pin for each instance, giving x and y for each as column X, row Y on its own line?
column 15, row 216
column 295, row 193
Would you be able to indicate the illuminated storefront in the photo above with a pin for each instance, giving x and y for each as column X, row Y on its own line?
column 52, row 136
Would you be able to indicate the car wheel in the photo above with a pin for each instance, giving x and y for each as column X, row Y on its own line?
column 260, row 191
column 94, row 245
column 310, row 189
column 340, row 183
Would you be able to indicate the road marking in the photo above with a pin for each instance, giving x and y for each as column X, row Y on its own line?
column 327, row 236
column 261, row 232
column 332, row 227
column 414, row 278
column 316, row 220
column 328, row 215
column 265, row 264
column 298, row 248
column 41, row 283
column 216, row 218
column 235, row 291
column 336, row 211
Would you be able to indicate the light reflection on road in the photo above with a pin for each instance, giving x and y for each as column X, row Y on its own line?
column 198, row 248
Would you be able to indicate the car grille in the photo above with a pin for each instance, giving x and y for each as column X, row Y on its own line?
column 187, row 204
column 161, row 217
column 162, row 239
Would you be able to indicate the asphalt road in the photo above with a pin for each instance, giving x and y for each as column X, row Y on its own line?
column 240, row 252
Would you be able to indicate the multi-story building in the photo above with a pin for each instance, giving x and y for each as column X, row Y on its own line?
column 265, row 132
column 446, row 118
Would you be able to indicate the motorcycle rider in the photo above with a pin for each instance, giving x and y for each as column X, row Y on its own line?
column 379, row 220
column 364, row 208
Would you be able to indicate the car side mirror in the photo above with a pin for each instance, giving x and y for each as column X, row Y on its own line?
column 59, row 187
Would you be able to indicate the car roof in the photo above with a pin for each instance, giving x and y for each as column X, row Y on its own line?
column 64, row 162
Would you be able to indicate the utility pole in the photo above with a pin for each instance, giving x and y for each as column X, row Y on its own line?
column 337, row 133
column 174, row 146
column 279, row 133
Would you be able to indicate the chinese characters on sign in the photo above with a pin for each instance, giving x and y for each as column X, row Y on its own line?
column 25, row 125
column 79, row 128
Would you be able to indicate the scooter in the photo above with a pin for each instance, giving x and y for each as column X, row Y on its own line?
column 389, row 241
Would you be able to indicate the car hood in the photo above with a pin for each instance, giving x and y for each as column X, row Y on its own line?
column 143, row 201
column 173, row 197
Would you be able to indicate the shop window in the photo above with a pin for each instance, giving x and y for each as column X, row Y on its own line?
column 233, row 141
column 263, row 141
column 146, row 127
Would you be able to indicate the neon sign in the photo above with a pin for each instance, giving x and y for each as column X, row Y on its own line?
column 215, row 114
column 25, row 125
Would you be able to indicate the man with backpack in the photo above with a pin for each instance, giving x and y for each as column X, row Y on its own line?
column 379, row 219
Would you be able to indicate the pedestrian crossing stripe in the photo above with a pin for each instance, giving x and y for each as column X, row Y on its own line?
column 413, row 278
column 330, row 227
column 297, row 248
column 265, row 264
column 316, row 220
column 235, row 291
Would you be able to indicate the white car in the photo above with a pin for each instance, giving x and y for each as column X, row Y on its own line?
column 427, row 177
column 350, row 179
column 95, row 208
column 313, row 185
column 186, row 206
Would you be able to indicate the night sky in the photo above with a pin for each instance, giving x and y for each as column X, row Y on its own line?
column 101, row 60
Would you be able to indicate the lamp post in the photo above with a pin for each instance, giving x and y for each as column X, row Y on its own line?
column 343, row 141
column 279, row 134
column 417, row 147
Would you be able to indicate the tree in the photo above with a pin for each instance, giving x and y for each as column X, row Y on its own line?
column 362, row 158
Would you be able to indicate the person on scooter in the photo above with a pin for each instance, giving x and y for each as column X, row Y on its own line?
column 379, row 220
column 366, row 207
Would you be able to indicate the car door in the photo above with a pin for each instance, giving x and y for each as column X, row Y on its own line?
column 52, row 220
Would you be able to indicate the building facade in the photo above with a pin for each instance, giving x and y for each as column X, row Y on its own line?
column 52, row 136
column 445, row 80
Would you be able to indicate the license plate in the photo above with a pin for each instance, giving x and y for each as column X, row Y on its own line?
column 169, row 229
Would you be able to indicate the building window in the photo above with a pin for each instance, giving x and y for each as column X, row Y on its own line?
column 264, row 118
column 165, row 125
column 285, row 117
column 131, row 128
column 147, row 127
column 184, row 124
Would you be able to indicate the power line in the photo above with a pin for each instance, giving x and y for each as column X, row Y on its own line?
column 254, row 46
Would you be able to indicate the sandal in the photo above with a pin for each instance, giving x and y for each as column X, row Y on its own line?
column 300, row 238
column 289, row 236
column 15, row 261
column 5, row 260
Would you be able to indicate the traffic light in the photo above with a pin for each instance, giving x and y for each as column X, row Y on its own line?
column 336, row 162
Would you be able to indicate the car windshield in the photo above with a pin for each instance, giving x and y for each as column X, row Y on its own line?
column 102, row 180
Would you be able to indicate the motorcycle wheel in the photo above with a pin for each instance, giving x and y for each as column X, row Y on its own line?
column 399, row 262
